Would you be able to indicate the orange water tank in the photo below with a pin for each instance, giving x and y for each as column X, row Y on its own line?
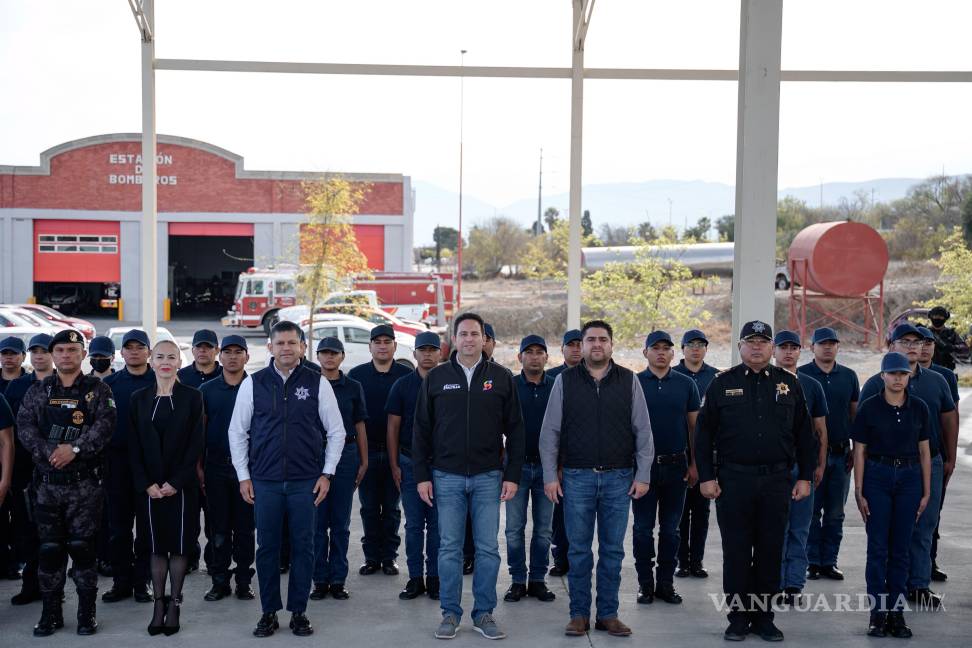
column 843, row 258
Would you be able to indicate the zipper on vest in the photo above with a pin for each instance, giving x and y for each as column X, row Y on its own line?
column 285, row 432
column 468, row 404
column 597, row 397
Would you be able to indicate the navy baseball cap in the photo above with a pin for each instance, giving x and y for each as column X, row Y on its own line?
column 12, row 343
column 658, row 336
column 330, row 344
column 756, row 328
column 66, row 336
column 136, row 335
column 895, row 362
column 693, row 334
column 925, row 332
column 235, row 340
column 205, row 336
column 786, row 337
column 102, row 346
column 532, row 340
column 573, row 335
column 42, row 340
column 488, row 331
column 902, row 330
column 427, row 339
column 383, row 329
column 825, row 334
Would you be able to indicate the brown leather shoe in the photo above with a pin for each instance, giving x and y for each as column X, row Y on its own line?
column 578, row 626
column 614, row 627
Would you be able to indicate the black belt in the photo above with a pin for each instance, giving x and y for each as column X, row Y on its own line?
column 839, row 448
column 57, row 478
column 665, row 460
column 897, row 462
column 757, row 469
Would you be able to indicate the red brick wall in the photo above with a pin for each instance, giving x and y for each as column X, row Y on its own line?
column 204, row 182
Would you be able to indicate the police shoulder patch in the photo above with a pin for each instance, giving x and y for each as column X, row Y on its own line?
column 111, row 402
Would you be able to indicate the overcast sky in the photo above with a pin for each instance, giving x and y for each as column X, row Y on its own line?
column 71, row 69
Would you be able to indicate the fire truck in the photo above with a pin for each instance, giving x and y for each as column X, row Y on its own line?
column 261, row 292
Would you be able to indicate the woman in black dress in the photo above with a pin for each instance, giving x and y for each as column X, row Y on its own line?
column 167, row 439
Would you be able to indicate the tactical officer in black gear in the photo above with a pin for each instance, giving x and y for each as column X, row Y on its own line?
column 752, row 427
column 947, row 341
column 65, row 422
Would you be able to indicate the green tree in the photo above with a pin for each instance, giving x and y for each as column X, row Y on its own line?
column 551, row 216
column 967, row 221
column 954, row 283
column 543, row 260
column 446, row 238
column 329, row 252
column 647, row 232
column 726, row 227
column 587, row 226
column 498, row 242
column 645, row 295
column 700, row 232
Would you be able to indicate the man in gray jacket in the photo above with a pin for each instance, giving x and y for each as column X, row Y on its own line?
column 596, row 441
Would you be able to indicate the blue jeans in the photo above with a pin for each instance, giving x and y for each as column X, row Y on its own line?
column 559, row 537
column 664, row 500
column 530, row 490
column 421, row 526
column 271, row 500
column 892, row 496
column 827, row 523
column 793, row 572
column 454, row 496
column 332, row 530
column 380, row 515
column 603, row 498
column 919, row 575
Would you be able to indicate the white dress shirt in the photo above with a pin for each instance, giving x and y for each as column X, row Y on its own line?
column 239, row 428
column 469, row 371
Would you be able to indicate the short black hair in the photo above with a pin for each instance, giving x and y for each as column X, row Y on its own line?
column 468, row 316
column 285, row 326
column 597, row 324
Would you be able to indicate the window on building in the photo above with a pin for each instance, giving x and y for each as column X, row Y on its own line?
column 86, row 243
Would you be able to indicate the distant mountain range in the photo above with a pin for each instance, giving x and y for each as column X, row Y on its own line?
column 630, row 203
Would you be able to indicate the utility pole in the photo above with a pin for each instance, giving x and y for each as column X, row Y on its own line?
column 540, row 198
column 462, row 95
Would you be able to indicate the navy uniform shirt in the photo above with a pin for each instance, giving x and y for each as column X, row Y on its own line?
column 401, row 402
column 376, row 387
column 556, row 371
column 841, row 388
column 194, row 378
column 351, row 401
column 16, row 390
column 4, row 382
column 670, row 399
column 533, row 404
column 703, row 377
column 889, row 430
column 929, row 387
column 950, row 378
column 23, row 463
column 814, row 393
column 219, row 398
column 123, row 384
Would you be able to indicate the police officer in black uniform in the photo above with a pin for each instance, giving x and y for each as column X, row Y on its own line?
column 101, row 353
column 755, row 420
column 65, row 422
column 947, row 341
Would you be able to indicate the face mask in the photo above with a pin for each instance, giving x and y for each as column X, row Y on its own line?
column 101, row 365
column 937, row 322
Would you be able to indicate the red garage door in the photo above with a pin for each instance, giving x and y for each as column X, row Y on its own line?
column 371, row 242
column 76, row 251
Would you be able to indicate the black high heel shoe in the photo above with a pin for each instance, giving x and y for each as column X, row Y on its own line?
column 161, row 603
column 171, row 625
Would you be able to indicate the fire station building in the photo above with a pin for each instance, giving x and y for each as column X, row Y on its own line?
column 74, row 222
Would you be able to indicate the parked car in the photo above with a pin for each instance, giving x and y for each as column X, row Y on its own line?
column 57, row 318
column 301, row 315
column 356, row 336
column 70, row 299
column 117, row 333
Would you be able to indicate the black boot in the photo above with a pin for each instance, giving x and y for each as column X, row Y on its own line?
column 119, row 591
column 432, row 587
column 646, row 592
column 515, row 593
column 897, row 627
column 52, row 615
column 539, row 591
column 320, row 591
column 414, row 588
column 87, row 601
column 876, row 626
column 171, row 625
column 27, row 595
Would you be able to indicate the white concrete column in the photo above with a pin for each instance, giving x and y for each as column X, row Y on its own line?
column 576, row 159
column 149, row 228
column 757, row 152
